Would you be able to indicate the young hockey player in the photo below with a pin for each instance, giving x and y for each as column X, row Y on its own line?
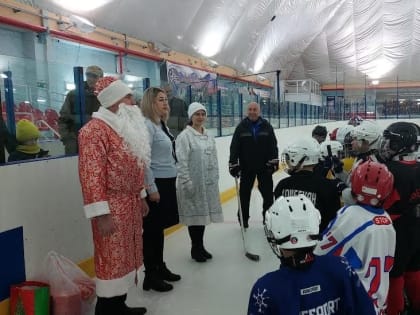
column 331, row 155
column 345, row 138
column 396, row 150
column 363, row 232
column 305, row 284
column 365, row 141
column 365, row 144
column 319, row 133
column 301, row 157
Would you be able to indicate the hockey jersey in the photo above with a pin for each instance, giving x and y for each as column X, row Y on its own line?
column 323, row 193
column 366, row 237
column 327, row 286
column 406, row 195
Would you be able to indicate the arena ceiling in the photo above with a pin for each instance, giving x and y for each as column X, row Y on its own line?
column 326, row 40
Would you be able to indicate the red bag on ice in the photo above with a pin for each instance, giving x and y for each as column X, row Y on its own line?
column 71, row 289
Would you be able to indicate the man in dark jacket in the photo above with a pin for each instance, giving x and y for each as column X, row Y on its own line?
column 7, row 141
column 69, row 122
column 254, row 153
column 178, row 116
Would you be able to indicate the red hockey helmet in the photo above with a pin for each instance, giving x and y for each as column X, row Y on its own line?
column 333, row 134
column 371, row 183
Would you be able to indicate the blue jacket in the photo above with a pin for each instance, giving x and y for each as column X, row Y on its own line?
column 327, row 286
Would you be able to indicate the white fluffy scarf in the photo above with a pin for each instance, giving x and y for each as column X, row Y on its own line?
column 129, row 124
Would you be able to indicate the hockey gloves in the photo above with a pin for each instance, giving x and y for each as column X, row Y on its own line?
column 333, row 163
column 234, row 170
column 272, row 165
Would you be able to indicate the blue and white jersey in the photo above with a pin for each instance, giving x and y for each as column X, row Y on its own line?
column 366, row 237
column 327, row 286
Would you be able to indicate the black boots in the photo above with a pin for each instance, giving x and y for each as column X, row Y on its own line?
column 156, row 278
column 116, row 305
column 198, row 252
column 166, row 274
column 206, row 253
column 134, row 310
column 154, row 281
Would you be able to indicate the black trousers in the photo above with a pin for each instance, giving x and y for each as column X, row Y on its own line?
column 265, row 186
column 407, row 249
column 110, row 306
column 161, row 215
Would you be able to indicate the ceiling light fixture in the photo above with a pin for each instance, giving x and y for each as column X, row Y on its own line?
column 82, row 24
column 379, row 68
column 163, row 48
column 212, row 63
column 259, row 63
column 81, row 5
column 213, row 38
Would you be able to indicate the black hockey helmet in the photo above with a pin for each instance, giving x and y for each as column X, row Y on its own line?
column 399, row 138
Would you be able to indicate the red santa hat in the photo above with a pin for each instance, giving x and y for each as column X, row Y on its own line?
column 110, row 90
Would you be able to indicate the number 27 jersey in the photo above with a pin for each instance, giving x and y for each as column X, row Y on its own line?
column 366, row 237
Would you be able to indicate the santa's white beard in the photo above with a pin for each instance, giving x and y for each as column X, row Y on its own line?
column 134, row 132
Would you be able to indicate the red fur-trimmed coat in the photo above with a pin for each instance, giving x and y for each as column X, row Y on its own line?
column 111, row 182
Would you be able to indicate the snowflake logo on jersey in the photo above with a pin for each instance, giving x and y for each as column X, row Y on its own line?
column 349, row 269
column 260, row 300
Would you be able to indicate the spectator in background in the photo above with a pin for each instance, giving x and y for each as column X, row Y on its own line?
column 161, row 189
column 27, row 135
column 178, row 116
column 7, row 141
column 254, row 154
column 198, row 180
column 319, row 133
column 114, row 152
column 69, row 122
column 355, row 121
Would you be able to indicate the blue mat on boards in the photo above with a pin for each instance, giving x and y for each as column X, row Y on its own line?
column 12, row 261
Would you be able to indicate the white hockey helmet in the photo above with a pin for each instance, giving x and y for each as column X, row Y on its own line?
column 368, row 131
column 342, row 132
column 302, row 152
column 292, row 223
column 336, row 148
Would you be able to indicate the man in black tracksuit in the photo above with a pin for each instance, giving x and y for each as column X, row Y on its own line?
column 254, row 153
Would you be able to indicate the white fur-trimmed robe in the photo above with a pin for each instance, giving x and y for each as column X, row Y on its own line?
column 198, row 176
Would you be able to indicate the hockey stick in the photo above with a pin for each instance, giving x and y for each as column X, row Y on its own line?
column 330, row 156
column 253, row 257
